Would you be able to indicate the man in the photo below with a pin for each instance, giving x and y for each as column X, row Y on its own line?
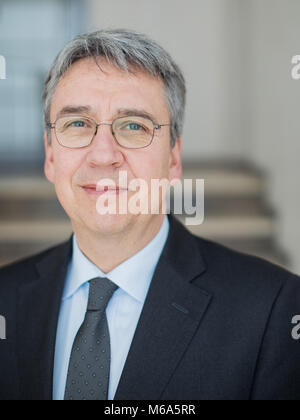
column 134, row 306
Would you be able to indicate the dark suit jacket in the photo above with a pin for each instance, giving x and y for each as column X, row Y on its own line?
column 216, row 325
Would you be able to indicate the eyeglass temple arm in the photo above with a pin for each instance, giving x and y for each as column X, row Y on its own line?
column 159, row 126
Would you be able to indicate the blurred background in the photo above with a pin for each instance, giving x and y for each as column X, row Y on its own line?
column 242, row 131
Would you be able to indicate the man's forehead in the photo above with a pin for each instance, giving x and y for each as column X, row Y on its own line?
column 102, row 69
column 85, row 87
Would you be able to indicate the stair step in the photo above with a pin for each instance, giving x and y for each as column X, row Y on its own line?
column 233, row 227
column 213, row 228
column 35, row 208
column 227, row 182
column 34, row 231
column 217, row 182
column 50, row 209
column 27, row 187
column 34, row 197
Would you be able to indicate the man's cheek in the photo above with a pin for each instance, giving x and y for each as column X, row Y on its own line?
column 64, row 168
column 154, row 169
column 63, row 182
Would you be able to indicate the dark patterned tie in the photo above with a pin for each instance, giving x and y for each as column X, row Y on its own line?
column 89, row 367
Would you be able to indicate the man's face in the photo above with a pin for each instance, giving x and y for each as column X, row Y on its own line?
column 74, row 172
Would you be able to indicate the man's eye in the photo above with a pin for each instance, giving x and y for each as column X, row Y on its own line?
column 77, row 124
column 134, row 127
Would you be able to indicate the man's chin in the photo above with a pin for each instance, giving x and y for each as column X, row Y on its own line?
column 110, row 224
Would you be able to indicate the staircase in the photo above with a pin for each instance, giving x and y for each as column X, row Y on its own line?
column 236, row 214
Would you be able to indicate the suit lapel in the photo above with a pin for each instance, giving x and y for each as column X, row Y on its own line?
column 39, row 301
column 171, row 315
column 170, row 318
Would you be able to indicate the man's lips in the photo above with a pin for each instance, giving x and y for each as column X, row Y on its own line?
column 95, row 190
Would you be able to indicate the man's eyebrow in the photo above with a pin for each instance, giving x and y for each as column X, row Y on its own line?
column 74, row 110
column 126, row 112
column 132, row 112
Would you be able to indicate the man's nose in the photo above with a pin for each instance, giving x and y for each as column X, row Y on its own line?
column 104, row 149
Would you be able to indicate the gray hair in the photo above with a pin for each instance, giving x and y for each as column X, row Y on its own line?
column 125, row 50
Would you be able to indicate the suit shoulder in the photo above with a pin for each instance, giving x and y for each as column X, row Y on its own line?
column 24, row 268
column 236, row 267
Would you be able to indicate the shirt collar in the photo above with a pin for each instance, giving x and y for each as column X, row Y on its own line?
column 133, row 276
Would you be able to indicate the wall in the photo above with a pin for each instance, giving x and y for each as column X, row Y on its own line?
column 201, row 35
column 272, row 119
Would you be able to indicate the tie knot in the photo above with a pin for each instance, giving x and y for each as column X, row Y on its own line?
column 101, row 291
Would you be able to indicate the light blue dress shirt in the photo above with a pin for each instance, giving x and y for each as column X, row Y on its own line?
column 123, row 311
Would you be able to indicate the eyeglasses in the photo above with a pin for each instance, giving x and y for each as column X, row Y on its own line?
column 75, row 132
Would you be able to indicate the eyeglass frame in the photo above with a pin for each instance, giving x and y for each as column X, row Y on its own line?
column 52, row 126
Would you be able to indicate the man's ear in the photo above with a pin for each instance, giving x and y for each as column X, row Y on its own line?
column 49, row 159
column 175, row 168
